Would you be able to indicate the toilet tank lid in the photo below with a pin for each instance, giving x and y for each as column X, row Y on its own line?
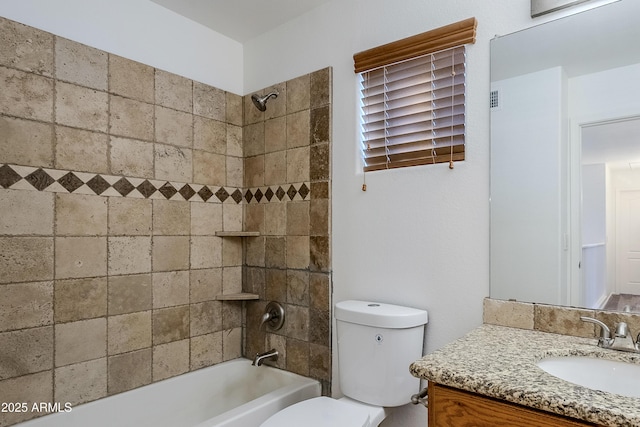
column 370, row 313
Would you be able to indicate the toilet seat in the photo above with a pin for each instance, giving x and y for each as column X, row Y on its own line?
column 321, row 412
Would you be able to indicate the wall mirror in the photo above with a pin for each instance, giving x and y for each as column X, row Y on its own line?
column 565, row 161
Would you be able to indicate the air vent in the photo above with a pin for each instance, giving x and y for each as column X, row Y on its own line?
column 494, row 99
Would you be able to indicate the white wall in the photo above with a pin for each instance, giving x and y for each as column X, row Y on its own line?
column 140, row 30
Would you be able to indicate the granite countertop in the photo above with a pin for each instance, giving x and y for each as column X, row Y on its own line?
column 500, row 362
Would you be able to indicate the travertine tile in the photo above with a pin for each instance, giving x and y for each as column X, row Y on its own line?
column 254, row 281
column 319, row 162
column 209, row 101
column 129, row 332
column 253, row 136
column 254, row 217
column 173, row 163
column 131, row 79
column 129, row 216
column 231, row 344
column 131, row 118
column 320, row 362
column 298, row 218
column 298, row 129
column 298, row 94
column 319, row 217
column 298, row 356
column 276, row 285
column 34, row 388
column 24, row 259
column 235, row 145
column 231, row 315
column 209, row 135
column 129, row 294
column 209, row 168
column 320, row 125
column 255, row 251
column 251, row 113
column 206, row 218
column 26, row 351
column 235, row 171
column 130, row 157
column 320, row 291
column 170, row 359
column 206, row 317
column 81, row 150
column 81, row 107
column 81, row 382
column 174, row 91
column 275, row 219
column 275, row 134
column 79, row 215
column 171, row 217
column 129, row 370
column 231, row 251
column 26, row 48
column 277, row 107
column 26, row 142
column 170, row 289
column 79, row 299
column 275, row 168
column 321, row 87
column 174, row 127
column 80, row 64
column 26, row 213
column 298, row 165
column 297, row 325
column 319, row 253
column 26, row 305
column 234, row 109
column 26, row 95
column 320, row 190
column 206, row 350
column 232, row 217
column 254, row 171
column 80, row 341
column 297, row 252
column 232, row 280
column 129, row 255
column 298, row 287
column 205, row 284
column 206, row 252
column 279, row 342
column 170, row 324
column 170, row 253
column 320, row 329
column 81, row 257
column 275, row 255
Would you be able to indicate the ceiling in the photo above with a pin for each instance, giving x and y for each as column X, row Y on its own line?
column 241, row 20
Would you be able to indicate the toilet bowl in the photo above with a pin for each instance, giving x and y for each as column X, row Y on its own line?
column 376, row 344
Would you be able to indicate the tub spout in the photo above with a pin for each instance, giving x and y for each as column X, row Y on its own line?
column 261, row 357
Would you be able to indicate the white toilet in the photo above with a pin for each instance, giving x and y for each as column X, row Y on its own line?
column 376, row 344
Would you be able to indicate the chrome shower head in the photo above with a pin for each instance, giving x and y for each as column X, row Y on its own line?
column 261, row 101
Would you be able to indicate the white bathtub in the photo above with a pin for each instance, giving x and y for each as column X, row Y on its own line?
column 230, row 394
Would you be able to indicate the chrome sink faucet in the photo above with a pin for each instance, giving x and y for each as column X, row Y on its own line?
column 622, row 339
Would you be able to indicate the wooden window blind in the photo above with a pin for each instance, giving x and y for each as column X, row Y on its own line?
column 413, row 110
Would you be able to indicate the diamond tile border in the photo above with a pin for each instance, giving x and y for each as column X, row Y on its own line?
column 16, row 177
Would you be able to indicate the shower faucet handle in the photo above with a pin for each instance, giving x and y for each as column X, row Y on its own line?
column 273, row 316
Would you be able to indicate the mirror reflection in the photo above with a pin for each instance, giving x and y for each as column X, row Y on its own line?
column 565, row 161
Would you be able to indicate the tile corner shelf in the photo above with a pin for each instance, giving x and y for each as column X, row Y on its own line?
column 237, row 233
column 238, row 297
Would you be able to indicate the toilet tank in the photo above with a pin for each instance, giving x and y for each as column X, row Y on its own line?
column 376, row 344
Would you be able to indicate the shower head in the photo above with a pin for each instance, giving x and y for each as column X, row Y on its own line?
column 261, row 101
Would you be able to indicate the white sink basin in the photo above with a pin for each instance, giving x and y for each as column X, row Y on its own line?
column 598, row 374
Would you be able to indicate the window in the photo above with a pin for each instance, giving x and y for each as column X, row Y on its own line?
column 413, row 98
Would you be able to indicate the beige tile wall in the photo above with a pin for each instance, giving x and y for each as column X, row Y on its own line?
column 291, row 261
column 99, row 295
column 553, row 319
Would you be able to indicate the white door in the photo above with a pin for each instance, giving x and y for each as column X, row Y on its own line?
column 628, row 242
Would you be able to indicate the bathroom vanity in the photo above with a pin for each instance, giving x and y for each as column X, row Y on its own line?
column 491, row 376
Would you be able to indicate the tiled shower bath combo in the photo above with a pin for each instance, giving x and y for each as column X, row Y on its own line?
column 114, row 179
